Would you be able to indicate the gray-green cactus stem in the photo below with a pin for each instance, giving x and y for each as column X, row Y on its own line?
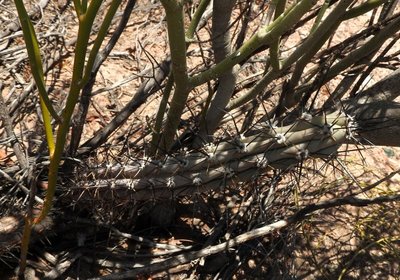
column 238, row 159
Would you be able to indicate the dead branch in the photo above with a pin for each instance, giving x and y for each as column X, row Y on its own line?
column 250, row 235
column 14, row 26
column 145, row 90
column 8, row 125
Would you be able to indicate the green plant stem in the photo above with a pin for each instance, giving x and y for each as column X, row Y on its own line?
column 221, row 46
column 177, row 44
column 254, row 91
column 84, row 6
column 196, row 19
column 85, row 26
column 363, row 8
column 280, row 8
column 309, row 45
column 78, row 7
column 35, row 61
column 320, row 15
column 160, row 116
column 371, row 45
column 323, row 32
column 265, row 35
column 298, row 53
column 155, row 141
column 26, row 236
column 274, row 48
column 101, row 34
column 368, row 49
column 47, row 127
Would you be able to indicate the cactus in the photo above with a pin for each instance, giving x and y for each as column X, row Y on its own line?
column 272, row 73
column 239, row 159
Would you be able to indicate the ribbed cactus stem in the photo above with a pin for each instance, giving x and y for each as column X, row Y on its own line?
column 237, row 159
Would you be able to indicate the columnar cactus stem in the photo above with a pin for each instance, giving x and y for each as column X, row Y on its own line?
column 238, row 159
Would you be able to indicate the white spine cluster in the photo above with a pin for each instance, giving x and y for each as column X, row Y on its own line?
column 302, row 154
column 327, row 129
column 209, row 150
column 144, row 162
column 170, row 183
column 351, row 127
column 305, row 116
column 262, row 162
column 228, row 172
column 197, row 181
column 239, row 144
column 280, row 138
